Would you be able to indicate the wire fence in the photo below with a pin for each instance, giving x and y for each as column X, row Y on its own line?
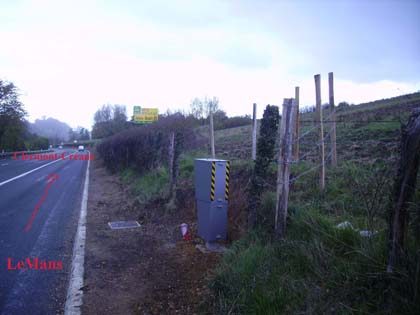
column 312, row 147
column 313, row 151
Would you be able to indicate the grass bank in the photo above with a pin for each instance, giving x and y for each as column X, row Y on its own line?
column 319, row 268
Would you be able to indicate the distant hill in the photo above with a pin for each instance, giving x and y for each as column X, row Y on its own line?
column 50, row 128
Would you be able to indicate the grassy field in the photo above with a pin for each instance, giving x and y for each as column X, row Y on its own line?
column 395, row 102
column 371, row 134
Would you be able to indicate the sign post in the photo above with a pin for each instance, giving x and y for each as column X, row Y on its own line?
column 145, row 115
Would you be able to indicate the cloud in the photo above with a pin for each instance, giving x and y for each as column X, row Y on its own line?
column 70, row 57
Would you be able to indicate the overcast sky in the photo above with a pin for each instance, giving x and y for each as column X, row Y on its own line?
column 70, row 57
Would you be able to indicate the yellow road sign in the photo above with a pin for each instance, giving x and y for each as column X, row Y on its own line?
column 145, row 115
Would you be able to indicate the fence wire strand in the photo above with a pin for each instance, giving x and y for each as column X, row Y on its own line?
column 310, row 130
column 327, row 158
column 316, row 145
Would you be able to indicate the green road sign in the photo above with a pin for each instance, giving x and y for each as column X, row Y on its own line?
column 137, row 110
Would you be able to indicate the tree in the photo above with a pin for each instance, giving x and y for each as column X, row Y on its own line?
column 12, row 116
column 109, row 120
column 72, row 135
column 220, row 119
column 265, row 155
column 197, row 109
column 102, row 130
column 119, row 113
column 34, row 141
column 104, row 114
column 119, row 120
column 39, row 143
column 83, row 134
column 211, row 105
column 11, row 139
column 79, row 133
column 202, row 108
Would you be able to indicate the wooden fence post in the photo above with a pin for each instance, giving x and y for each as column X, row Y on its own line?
column 171, row 161
column 254, row 132
column 320, row 131
column 333, row 136
column 283, row 174
column 213, row 151
column 296, row 131
column 404, row 188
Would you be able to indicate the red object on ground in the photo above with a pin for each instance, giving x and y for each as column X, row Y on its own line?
column 185, row 232
column 187, row 236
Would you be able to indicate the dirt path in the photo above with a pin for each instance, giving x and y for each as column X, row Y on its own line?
column 147, row 270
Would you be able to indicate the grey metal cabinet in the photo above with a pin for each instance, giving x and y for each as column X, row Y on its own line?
column 211, row 181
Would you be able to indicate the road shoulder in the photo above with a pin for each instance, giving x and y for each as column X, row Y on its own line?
column 147, row 270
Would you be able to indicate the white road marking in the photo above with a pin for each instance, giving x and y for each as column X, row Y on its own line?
column 29, row 172
column 4, row 164
column 74, row 299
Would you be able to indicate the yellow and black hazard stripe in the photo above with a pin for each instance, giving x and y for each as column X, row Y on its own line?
column 213, row 180
column 227, row 180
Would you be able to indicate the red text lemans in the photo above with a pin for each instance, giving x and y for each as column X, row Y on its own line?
column 52, row 156
column 34, row 263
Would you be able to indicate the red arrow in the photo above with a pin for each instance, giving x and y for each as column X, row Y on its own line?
column 50, row 180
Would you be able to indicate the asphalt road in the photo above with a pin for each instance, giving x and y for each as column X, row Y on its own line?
column 49, row 239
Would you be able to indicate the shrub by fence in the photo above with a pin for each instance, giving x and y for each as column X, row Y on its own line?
column 144, row 147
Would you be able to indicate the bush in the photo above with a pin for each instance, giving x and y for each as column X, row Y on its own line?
column 145, row 147
column 36, row 143
column 232, row 122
